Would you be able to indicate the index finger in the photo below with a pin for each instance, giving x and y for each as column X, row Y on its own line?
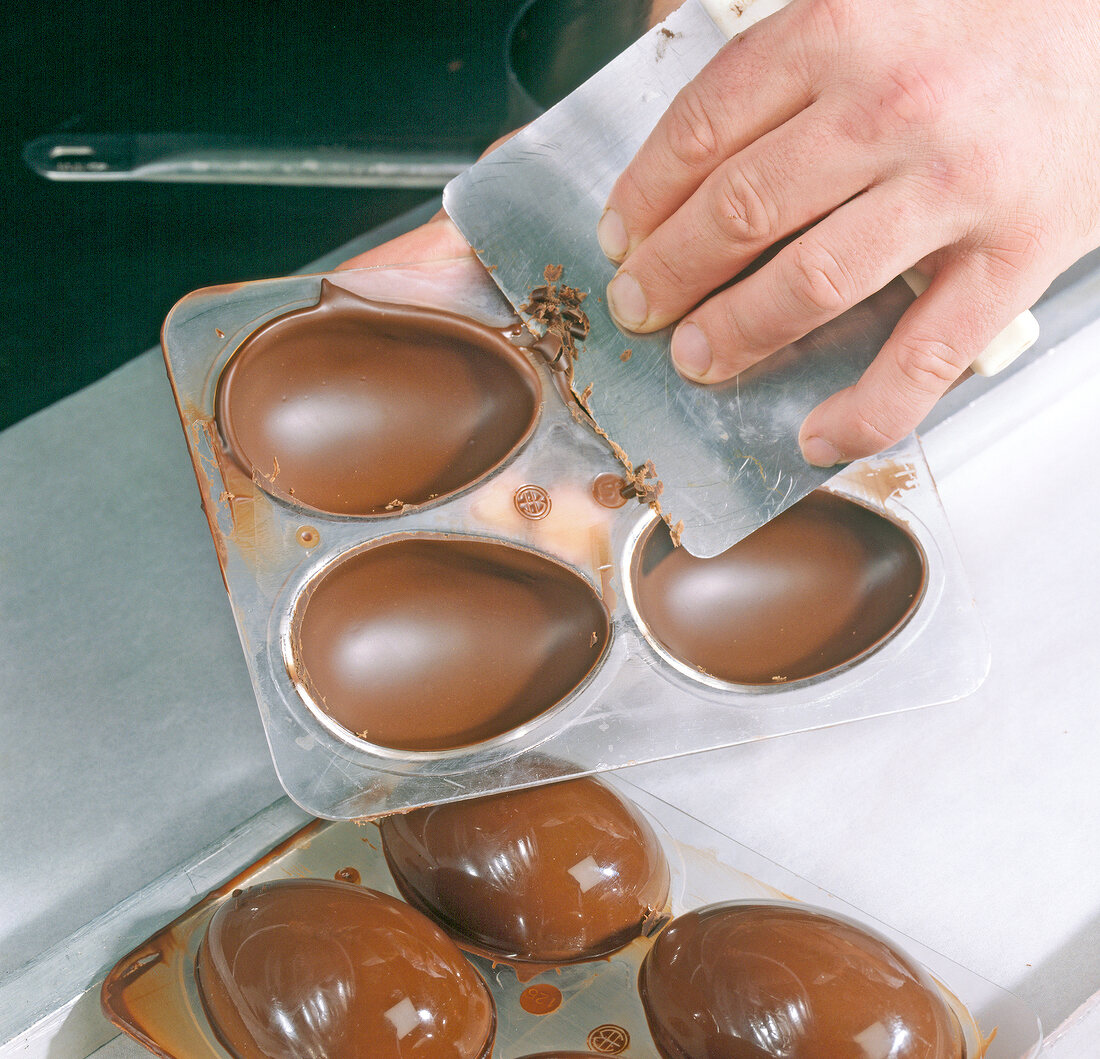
column 753, row 85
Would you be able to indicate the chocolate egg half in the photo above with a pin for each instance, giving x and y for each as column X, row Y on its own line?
column 755, row 981
column 357, row 408
column 434, row 643
column 815, row 588
column 313, row 969
column 559, row 873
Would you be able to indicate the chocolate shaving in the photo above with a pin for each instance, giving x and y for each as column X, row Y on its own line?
column 558, row 322
column 642, row 482
column 556, row 310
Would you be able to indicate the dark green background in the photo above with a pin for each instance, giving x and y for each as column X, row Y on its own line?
column 91, row 269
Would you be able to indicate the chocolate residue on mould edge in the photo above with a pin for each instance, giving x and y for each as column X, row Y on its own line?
column 881, row 480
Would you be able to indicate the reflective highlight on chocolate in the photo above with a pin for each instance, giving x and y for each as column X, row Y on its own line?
column 755, row 981
column 815, row 588
column 560, row 873
column 434, row 643
column 354, row 407
column 305, row 969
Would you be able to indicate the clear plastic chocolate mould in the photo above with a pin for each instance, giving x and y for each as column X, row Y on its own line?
column 443, row 576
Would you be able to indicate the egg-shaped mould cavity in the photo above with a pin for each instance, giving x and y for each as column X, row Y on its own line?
column 358, row 408
column 426, row 643
column 312, row 967
column 748, row 980
column 555, row 874
column 814, row 590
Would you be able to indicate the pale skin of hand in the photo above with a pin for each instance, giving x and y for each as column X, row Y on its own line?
column 959, row 138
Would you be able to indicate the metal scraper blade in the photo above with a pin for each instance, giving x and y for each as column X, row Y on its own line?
column 727, row 455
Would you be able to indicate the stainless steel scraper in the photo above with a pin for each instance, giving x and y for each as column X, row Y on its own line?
column 727, row 456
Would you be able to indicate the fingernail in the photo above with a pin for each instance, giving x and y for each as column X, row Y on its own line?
column 691, row 351
column 612, row 235
column 626, row 300
column 821, row 453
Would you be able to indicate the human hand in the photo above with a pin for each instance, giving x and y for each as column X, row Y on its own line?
column 435, row 240
column 958, row 138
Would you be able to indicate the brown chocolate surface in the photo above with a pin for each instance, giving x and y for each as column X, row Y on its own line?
column 309, row 967
column 752, row 981
column 816, row 587
column 358, row 408
column 554, row 874
column 431, row 643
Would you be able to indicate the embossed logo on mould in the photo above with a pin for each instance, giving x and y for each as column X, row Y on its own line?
column 532, row 502
column 609, row 1039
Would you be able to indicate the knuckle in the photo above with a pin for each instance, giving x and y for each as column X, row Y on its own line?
column 965, row 173
column 641, row 196
column 929, row 365
column 819, row 282
column 659, row 270
column 873, row 431
column 1014, row 248
column 906, row 104
column 734, row 346
column 692, row 136
column 912, row 99
column 742, row 212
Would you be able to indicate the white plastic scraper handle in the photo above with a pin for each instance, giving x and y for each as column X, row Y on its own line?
column 735, row 16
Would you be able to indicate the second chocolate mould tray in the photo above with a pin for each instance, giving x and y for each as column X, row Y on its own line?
column 591, row 1007
column 446, row 583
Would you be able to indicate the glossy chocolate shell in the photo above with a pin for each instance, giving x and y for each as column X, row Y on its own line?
column 436, row 643
column 785, row 981
column 559, row 873
column 814, row 589
column 315, row 969
column 353, row 407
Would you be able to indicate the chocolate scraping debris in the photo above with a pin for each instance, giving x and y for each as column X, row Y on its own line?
column 555, row 308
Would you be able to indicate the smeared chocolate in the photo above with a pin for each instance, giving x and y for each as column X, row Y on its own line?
column 555, row 874
column 753, row 981
column 431, row 643
column 357, row 408
column 816, row 587
column 309, row 967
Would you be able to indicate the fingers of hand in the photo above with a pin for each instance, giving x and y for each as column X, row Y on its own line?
column 844, row 258
column 931, row 347
column 437, row 240
column 743, row 93
column 779, row 184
